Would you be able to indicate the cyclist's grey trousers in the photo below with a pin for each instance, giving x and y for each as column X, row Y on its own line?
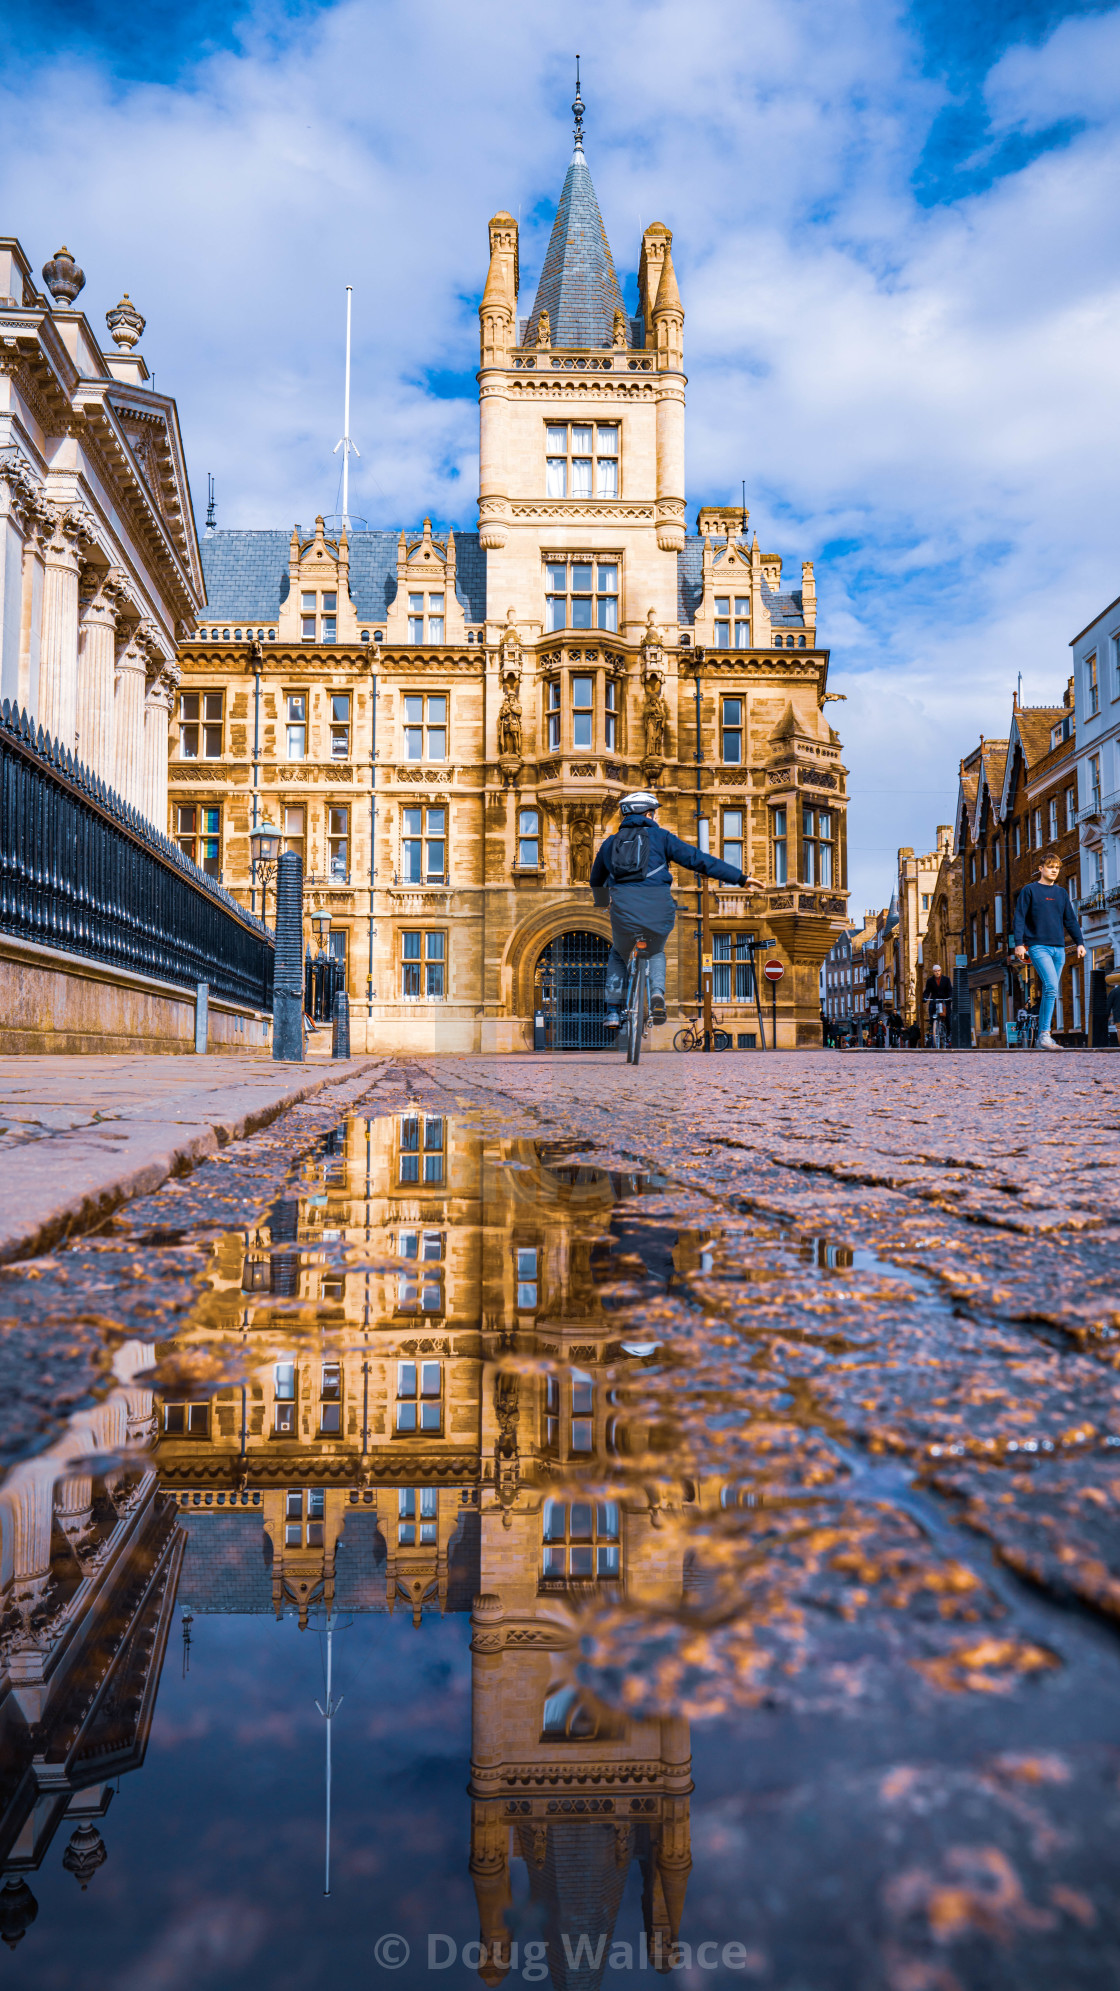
column 638, row 912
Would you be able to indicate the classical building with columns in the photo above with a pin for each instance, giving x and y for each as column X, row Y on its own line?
column 442, row 723
column 100, row 574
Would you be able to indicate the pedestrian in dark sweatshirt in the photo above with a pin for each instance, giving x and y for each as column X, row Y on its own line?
column 1043, row 916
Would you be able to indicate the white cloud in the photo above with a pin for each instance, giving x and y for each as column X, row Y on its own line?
column 931, row 389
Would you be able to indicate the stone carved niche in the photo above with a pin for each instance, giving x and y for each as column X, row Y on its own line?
column 655, row 717
column 509, row 718
column 581, row 841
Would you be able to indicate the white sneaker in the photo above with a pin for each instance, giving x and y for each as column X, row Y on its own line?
column 1046, row 1043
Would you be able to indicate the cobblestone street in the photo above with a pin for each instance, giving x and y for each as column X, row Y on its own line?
column 837, row 1339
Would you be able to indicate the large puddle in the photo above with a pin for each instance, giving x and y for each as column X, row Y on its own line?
column 482, row 1571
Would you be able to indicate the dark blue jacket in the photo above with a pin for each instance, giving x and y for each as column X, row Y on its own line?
column 1043, row 916
column 664, row 849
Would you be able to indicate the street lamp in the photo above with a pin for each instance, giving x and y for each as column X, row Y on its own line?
column 321, row 921
column 264, row 848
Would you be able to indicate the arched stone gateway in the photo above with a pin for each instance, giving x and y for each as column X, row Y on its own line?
column 568, row 987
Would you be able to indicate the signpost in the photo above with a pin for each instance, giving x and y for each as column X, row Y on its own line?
column 773, row 971
column 706, row 963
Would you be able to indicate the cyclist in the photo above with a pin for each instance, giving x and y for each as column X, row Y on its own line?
column 631, row 875
column 938, row 994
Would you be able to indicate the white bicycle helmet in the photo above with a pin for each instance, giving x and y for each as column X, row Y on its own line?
column 641, row 803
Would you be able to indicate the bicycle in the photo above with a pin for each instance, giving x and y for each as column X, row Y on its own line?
column 691, row 1038
column 939, row 1033
column 637, row 1001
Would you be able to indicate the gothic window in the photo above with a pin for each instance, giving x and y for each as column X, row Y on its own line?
column 419, row 1397
column 731, row 732
column 528, row 839
column 199, row 834
column 581, row 593
column 583, row 717
column 340, row 725
column 422, row 966
column 732, row 841
column 732, row 970
column 200, row 725
column 330, row 1400
column 581, row 460
column 528, row 1289
column 424, row 846
column 422, row 1140
column 421, row 1291
column 186, row 1420
column 284, row 1394
column 725, row 625
column 338, row 842
column 779, row 845
column 416, row 1508
column 295, row 705
column 581, row 1538
column 425, row 726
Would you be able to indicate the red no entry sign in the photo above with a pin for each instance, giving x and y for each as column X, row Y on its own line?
column 773, row 971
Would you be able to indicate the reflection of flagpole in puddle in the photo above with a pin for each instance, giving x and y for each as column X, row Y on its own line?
column 328, row 1713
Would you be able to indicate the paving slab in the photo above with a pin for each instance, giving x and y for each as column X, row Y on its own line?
column 79, row 1135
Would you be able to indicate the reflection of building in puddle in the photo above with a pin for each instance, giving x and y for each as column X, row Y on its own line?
column 89, row 1562
column 430, row 1385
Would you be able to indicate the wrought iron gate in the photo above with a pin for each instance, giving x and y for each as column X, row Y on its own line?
column 568, row 989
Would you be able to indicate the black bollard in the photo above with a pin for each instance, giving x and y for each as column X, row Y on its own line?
column 340, row 1018
column 287, row 997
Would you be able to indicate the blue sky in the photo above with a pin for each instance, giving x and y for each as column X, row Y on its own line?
column 895, row 231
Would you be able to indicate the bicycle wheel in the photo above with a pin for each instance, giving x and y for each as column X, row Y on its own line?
column 685, row 1040
column 721, row 1040
column 636, row 1012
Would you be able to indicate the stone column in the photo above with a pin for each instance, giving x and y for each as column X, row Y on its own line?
column 58, row 653
column 96, row 661
column 157, row 720
column 128, row 721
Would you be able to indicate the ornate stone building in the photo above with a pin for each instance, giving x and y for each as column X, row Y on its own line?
column 100, row 573
column 443, row 722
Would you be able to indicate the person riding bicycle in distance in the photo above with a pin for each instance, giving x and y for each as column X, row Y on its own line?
column 631, row 875
column 938, row 989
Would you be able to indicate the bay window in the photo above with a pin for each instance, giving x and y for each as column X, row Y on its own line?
column 581, row 593
column 816, row 847
column 583, row 719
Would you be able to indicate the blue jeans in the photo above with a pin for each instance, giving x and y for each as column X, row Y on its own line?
column 1049, row 962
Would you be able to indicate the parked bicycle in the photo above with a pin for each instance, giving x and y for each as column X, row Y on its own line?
column 691, row 1037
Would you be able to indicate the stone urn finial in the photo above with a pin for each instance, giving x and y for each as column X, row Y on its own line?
column 125, row 323
column 62, row 277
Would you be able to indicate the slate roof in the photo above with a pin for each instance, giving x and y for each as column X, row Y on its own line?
column 578, row 286
column 224, row 1565
column 786, row 608
column 580, row 1889
column 247, row 574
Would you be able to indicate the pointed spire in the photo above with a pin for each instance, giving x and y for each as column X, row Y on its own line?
column 668, row 296
column 578, row 287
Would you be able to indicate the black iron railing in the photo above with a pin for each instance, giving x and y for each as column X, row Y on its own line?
column 82, row 871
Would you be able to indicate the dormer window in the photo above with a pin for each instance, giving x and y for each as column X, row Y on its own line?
column 725, row 623
column 431, row 607
column 313, row 625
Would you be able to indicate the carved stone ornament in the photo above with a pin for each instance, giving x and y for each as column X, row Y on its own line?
column 62, row 277
column 511, row 647
column 581, row 844
column 509, row 717
column 655, row 717
column 126, row 324
column 544, row 330
column 652, row 647
column 621, row 333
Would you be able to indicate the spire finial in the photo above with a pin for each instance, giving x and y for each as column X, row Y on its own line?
column 577, row 112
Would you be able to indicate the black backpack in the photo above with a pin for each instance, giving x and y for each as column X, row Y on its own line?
column 630, row 853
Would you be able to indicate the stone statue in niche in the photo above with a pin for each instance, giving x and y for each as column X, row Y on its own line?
column 509, row 717
column 544, row 330
column 652, row 649
column 621, row 335
column 511, row 647
column 581, row 842
column 656, row 717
